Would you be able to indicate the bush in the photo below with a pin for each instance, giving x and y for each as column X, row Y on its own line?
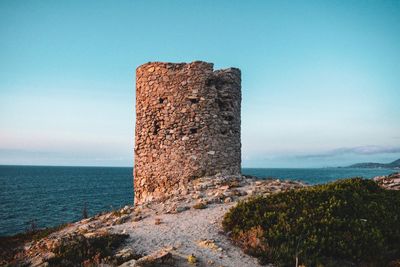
column 78, row 250
column 12, row 247
column 351, row 222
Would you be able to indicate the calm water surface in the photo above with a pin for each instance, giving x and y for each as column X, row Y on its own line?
column 55, row 195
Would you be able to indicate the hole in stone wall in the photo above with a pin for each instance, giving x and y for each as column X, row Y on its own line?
column 221, row 104
column 156, row 127
column 228, row 117
column 194, row 100
column 161, row 100
column 193, row 130
column 210, row 82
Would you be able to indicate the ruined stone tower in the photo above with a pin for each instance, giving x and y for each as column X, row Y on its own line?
column 187, row 126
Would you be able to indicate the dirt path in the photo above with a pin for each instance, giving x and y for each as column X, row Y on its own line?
column 185, row 231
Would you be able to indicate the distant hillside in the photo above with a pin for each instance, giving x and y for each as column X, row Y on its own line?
column 393, row 165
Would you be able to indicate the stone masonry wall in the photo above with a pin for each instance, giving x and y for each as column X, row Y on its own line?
column 187, row 126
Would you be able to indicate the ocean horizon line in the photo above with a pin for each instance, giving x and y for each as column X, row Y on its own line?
column 107, row 166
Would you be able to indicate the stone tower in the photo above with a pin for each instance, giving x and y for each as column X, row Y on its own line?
column 187, row 126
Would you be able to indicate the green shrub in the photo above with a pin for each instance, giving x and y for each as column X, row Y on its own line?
column 351, row 222
column 78, row 250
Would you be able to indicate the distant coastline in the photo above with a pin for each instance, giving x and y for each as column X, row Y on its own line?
column 373, row 165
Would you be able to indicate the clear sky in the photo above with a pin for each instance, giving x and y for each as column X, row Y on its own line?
column 320, row 79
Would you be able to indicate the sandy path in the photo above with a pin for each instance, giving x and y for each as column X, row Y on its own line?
column 183, row 231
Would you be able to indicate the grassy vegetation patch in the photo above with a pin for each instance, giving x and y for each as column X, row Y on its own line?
column 78, row 249
column 351, row 222
column 10, row 246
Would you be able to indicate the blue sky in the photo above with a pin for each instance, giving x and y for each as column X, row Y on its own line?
column 320, row 79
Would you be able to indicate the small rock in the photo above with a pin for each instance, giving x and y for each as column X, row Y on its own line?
column 121, row 220
column 157, row 258
column 208, row 243
column 131, row 263
column 200, row 205
column 125, row 254
column 37, row 261
column 181, row 209
column 49, row 255
column 137, row 218
column 224, row 187
column 90, row 235
column 84, row 228
column 227, row 200
column 214, row 200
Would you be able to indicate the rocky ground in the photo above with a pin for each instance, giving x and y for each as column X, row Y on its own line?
column 391, row 181
column 183, row 230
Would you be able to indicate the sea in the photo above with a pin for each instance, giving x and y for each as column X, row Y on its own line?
column 44, row 196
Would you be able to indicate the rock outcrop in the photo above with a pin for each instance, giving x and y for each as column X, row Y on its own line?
column 391, row 181
column 187, row 126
